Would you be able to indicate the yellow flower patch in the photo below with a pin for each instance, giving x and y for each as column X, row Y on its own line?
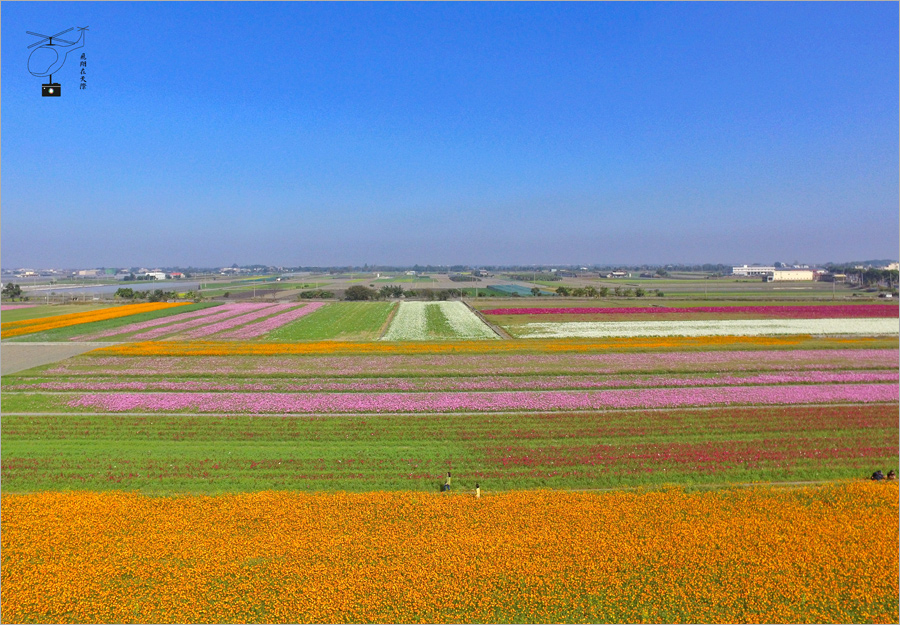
column 763, row 554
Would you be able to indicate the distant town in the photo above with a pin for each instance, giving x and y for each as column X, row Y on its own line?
column 778, row 271
column 876, row 278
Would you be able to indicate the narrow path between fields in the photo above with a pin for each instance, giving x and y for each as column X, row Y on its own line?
column 20, row 356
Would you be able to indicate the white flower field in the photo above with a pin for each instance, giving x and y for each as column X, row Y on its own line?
column 420, row 321
column 734, row 327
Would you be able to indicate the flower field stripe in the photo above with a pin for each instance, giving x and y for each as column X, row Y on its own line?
column 101, row 363
column 276, row 321
column 212, row 315
column 539, row 556
column 330, row 403
column 465, row 323
column 30, row 326
column 16, row 306
column 265, row 310
column 409, row 324
column 143, row 325
column 546, row 346
column 725, row 327
column 481, row 383
column 780, row 312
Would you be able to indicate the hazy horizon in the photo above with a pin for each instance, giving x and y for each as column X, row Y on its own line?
column 393, row 134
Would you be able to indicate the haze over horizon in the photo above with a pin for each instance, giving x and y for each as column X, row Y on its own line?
column 485, row 134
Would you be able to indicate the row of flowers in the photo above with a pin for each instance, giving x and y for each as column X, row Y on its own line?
column 556, row 345
column 211, row 316
column 723, row 327
column 272, row 323
column 99, row 363
column 287, row 403
column 170, row 320
column 240, row 320
column 481, row 383
column 779, row 312
column 31, row 326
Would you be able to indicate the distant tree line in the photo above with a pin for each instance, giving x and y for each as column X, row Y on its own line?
column 603, row 291
column 528, row 277
column 361, row 293
column 157, row 295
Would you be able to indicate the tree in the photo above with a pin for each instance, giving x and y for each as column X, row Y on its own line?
column 563, row 291
column 618, row 291
column 639, row 292
column 358, row 293
column 124, row 293
column 12, row 290
column 604, row 291
column 535, row 291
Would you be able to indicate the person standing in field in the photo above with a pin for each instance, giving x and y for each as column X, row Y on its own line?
column 447, row 482
column 477, row 491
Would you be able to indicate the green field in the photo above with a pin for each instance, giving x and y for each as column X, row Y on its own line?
column 346, row 321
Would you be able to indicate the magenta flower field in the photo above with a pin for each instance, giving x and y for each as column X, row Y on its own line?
column 778, row 312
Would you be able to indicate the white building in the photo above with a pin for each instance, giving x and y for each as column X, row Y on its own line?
column 752, row 270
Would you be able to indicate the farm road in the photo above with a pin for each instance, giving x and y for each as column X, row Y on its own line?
column 16, row 357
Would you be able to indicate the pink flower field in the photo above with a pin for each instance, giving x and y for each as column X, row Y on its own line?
column 263, row 327
column 467, row 384
column 330, row 403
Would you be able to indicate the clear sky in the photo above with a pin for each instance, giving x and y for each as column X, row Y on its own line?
column 480, row 133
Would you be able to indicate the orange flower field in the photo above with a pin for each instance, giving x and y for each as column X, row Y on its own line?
column 760, row 554
column 681, row 343
column 30, row 326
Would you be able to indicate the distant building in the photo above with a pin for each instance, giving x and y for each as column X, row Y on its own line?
column 782, row 275
column 157, row 275
column 893, row 267
column 752, row 270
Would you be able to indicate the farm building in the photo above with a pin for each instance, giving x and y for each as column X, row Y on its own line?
column 782, row 275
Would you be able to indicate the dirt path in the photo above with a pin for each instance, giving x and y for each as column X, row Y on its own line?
column 16, row 357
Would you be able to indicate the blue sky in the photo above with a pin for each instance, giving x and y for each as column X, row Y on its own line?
column 331, row 133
